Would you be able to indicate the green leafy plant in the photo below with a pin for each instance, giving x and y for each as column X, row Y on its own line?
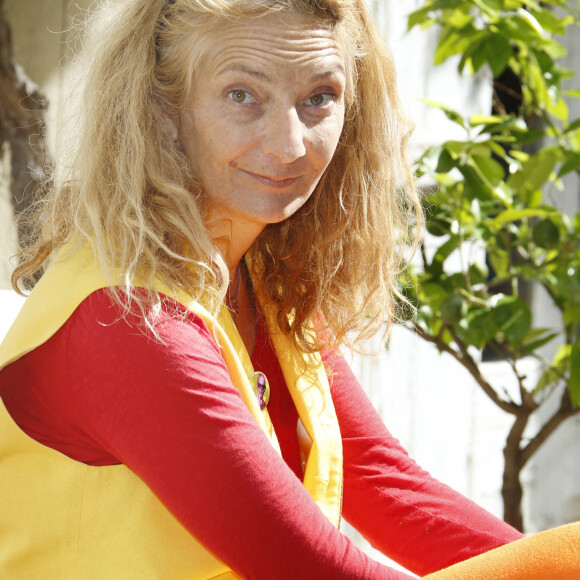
column 492, row 202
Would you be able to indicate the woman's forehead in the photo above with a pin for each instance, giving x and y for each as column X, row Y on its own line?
column 279, row 41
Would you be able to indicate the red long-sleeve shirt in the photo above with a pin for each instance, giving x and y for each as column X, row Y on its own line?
column 103, row 391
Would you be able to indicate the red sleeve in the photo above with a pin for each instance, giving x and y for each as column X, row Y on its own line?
column 168, row 410
column 404, row 512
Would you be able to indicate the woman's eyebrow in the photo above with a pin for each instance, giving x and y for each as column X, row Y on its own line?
column 239, row 67
column 329, row 71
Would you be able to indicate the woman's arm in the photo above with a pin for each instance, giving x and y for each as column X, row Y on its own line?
column 403, row 511
column 169, row 411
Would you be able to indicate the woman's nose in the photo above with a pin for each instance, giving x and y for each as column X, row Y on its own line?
column 284, row 137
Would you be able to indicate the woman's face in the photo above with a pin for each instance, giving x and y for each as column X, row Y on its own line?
column 265, row 117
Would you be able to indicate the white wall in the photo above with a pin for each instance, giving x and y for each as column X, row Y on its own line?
column 10, row 304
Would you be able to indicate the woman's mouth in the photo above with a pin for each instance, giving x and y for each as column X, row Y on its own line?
column 275, row 181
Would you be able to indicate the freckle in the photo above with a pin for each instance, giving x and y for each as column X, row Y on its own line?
column 233, row 164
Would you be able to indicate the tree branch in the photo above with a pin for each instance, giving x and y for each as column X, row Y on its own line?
column 508, row 90
column 423, row 255
column 527, row 399
column 564, row 412
column 511, row 489
column 468, row 363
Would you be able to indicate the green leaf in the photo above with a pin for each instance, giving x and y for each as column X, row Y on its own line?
column 427, row 12
column 499, row 262
column 574, row 125
column 457, row 148
column 478, row 273
column 418, row 17
column 451, row 114
column 554, row 50
column 476, row 185
column 548, row 377
column 546, row 234
column 453, row 309
column 574, row 383
column 442, row 253
column 571, row 316
column 512, row 318
column 432, row 294
column 549, row 21
column 544, row 162
column 473, row 328
column 533, row 345
column 528, row 136
column 476, row 120
column 506, row 125
column 574, row 140
column 506, row 237
column 558, row 108
column 532, row 21
column 536, row 170
column 571, row 164
column 512, row 215
column 494, row 5
column 451, row 42
column 492, row 170
column 521, row 156
column 476, row 53
column 498, row 51
column 459, row 19
column 516, row 28
column 438, row 227
column 445, row 162
column 557, row 371
column 531, row 198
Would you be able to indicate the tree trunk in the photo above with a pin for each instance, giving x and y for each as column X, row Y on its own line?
column 21, row 126
column 511, row 490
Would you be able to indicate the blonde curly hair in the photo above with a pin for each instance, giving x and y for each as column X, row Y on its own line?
column 130, row 192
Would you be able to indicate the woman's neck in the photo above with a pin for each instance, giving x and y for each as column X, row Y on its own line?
column 233, row 238
column 240, row 301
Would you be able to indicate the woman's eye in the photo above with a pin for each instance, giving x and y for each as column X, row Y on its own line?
column 240, row 96
column 319, row 100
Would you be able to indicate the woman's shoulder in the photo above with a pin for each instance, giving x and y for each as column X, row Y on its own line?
column 102, row 362
column 107, row 316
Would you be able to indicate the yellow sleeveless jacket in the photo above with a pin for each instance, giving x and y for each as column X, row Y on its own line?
column 61, row 519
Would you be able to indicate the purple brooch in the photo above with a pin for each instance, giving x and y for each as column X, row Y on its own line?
column 261, row 388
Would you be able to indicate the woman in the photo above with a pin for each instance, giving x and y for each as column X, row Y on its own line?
column 233, row 210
